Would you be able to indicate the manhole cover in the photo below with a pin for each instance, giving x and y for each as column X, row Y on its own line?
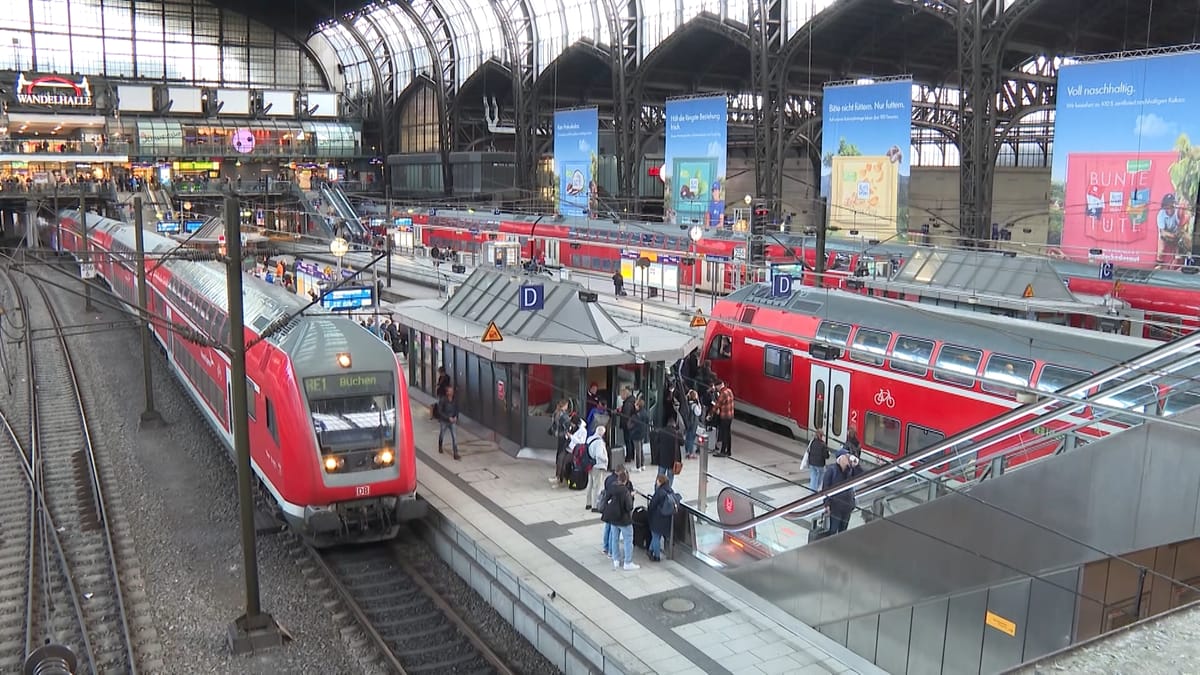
column 678, row 605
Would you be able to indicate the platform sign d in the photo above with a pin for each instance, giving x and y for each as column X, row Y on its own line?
column 1106, row 271
column 531, row 298
column 781, row 285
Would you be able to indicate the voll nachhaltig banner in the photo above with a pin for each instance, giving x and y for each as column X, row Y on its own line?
column 575, row 142
column 694, row 171
column 865, row 141
column 1125, row 173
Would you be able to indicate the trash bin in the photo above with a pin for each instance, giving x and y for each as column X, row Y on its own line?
column 564, row 274
column 653, row 292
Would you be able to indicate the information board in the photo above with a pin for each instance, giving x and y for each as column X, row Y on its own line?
column 349, row 298
column 350, row 384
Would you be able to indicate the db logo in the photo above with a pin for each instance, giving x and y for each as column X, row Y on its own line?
column 728, row 504
column 884, row 398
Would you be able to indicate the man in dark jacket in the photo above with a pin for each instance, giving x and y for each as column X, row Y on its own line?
column 665, row 451
column 447, row 414
column 818, row 454
column 841, row 505
column 618, row 512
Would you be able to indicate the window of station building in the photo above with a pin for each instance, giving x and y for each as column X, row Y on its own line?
column 1057, row 378
column 918, row 438
column 833, row 333
column 911, row 355
column 1005, row 375
column 720, row 348
column 777, row 363
column 957, row 365
column 882, row 433
column 870, row 346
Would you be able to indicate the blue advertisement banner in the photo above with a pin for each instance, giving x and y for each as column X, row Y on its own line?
column 865, row 143
column 575, row 141
column 1125, row 175
column 693, row 173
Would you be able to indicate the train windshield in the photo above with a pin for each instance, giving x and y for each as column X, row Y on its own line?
column 352, row 410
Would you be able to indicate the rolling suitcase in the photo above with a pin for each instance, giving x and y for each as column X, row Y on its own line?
column 641, row 528
column 578, row 479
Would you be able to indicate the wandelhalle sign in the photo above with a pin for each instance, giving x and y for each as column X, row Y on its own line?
column 53, row 90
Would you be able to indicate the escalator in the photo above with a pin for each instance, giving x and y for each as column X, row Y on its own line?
column 318, row 224
column 344, row 214
column 1033, row 494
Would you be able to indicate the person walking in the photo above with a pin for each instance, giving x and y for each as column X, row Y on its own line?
column 447, row 414
column 618, row 512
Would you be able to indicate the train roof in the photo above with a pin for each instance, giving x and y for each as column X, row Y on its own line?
column 1075, row 348
column 314, row 341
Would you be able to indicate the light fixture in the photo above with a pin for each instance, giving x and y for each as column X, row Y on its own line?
column 343, row 359
column 339, row 247
column 187, row 206
column 385, row 457
column 748, row 199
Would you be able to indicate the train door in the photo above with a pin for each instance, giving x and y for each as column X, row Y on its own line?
column 829, row 403
column 551, row 250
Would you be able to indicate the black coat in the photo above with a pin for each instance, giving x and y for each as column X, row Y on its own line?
column 447, row 410
column 618, row 505
column 664, row 447
column 659, row 523
column 842, row 503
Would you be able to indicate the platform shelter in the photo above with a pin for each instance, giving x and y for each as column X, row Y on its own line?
column 515, row 345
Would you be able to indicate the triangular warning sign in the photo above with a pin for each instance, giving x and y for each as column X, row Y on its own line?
column 1028, row 291
column 699, row 321
column 492, row 334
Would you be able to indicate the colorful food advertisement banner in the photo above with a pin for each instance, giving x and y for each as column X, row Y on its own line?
column 1125, row 173
column 693, row 173
column 575, row 140
column 865, row 142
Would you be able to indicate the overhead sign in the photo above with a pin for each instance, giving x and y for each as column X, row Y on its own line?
column 531, row 298
column 348, row 298
column 192, row 226
column 492, row 334
column 699, row 321
column 781, row 285
column 53, row 90
column 348, row 384
column 167, row 227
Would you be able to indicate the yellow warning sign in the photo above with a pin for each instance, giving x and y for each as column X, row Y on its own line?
column 1116, row 288
column 492, row 334
column 699, row 321
column 1028, row 291
column 1001, row 624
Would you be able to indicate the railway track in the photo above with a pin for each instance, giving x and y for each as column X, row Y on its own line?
column 402, row 613
column 57, row 543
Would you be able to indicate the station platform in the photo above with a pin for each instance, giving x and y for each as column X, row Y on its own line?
column 542, row 547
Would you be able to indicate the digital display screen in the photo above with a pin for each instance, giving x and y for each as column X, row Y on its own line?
column 167, row 227
column 348, row 298
column 350, row 384
column 191, row 226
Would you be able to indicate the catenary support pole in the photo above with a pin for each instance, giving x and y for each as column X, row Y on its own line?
column 86, row 260
column 150, row 416
column 255, row 630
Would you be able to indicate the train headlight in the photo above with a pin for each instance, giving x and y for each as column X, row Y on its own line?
column 333, row 463
column 385, row 457
column 343, row 359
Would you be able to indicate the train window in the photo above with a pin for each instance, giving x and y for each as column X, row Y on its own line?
column 1179, row 401
column 839, row 402
column 251, row 412
column 1004, row 375
column 777, row 363
column 833, row 333
column 882, row 433
column 918, row 438
column 911, row 355
column 271, row 427
column 1057, row 378
column 720, row 348
column 957, row 365
column 870, row 346
column 818, row 405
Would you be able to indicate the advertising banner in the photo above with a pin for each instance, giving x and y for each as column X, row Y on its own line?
column 865, row 142
column 693, row 173
column 1125, row 174
column 575, row 142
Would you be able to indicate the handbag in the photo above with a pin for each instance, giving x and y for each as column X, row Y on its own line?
column 804, row 462
column 677, row 468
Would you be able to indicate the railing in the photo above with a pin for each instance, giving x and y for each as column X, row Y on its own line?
column 50, row 188
column 967, row 457
column 222, row 148
column 62, row 147
column 219, row 187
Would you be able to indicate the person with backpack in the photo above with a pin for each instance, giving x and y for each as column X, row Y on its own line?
column 596, row 464
column 664, row 450
column 661, row 509
column 618, row 512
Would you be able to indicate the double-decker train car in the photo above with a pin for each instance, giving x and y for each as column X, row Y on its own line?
column 328, row 408
column 904, row 376
column 1170, row 299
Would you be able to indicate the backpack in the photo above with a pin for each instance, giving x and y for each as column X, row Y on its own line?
column 583, row 458
column 667, row 507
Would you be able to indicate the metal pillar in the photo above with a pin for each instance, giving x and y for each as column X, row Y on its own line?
column 255, row 630
column 767, row 72
column 150, row 416
column 627, row 100
column 87, row 263
column 979, row 47
column 57, row 221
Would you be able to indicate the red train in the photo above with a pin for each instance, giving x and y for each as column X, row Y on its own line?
column 1170, row 299
column 329, row 417
column 903, row 376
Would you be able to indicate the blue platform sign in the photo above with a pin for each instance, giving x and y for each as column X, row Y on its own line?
column 781, row 285
column 192, row 226
column 531, row 298
column 167, row 227
column 348, row 298
column 1106, row 271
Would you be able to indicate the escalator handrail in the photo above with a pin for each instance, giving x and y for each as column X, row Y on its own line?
column 900, row 469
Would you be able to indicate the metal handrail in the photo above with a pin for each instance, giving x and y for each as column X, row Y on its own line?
column 1042, row 411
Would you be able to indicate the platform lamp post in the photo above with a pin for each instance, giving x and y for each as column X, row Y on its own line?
column 255, row 630
column 150, row 416
column 339, row 248
column 87, row 269
column 749, row 200
column 695, row 235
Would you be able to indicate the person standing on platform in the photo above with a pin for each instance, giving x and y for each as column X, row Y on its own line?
column 618, row 283
column 447, row 413
column 560, row 421
column 639, row 432
column 661, row 511
column 664, row 449
column 598, row 449
column 599, row 417
column 695, row 418
column 443, row 383
column 818, row 454
column 724, row 410
column 841, row 505
column 593, row 400
column 853, row 445
column 625, row 412
column 618, row 512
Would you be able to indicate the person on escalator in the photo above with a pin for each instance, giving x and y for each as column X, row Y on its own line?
column 841, row 505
